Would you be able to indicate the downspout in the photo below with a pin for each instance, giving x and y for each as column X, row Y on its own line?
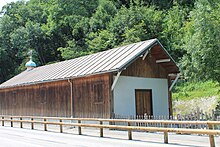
column 71, row 97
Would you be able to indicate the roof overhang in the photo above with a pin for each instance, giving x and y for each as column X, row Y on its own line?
column 161, row 55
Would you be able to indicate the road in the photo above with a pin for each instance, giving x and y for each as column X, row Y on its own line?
column 16, row 137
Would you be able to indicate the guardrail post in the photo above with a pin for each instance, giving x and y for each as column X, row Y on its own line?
column 3, row 121
column 61, row 126
column 129, row 132
column 101, row 129
column 11, row 121
column 45, row 124
column 21, row 123
column 32, row 123
column 165, row 135
column 79, row 128
column 211, row 137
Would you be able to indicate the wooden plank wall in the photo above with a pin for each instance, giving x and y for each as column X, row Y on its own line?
column 48, row 99
column 145, row 68
column 92, row 96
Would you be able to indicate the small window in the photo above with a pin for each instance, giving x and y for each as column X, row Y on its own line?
column 98, row 93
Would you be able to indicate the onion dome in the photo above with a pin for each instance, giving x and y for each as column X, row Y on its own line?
column 30, row 64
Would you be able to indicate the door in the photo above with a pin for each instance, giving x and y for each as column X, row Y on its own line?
column 143, row 100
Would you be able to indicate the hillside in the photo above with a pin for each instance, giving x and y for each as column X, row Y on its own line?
column 189, row 96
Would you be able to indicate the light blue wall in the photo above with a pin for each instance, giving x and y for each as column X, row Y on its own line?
column 124, row 94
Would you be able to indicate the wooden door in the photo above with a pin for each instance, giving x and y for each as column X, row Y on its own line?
column 143, row 100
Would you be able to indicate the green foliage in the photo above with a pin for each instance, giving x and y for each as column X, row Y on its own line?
column 173, row 31
column 202, row 42
column 100, row 41
column 191, row 90
column 135, row 21
column 58, row 30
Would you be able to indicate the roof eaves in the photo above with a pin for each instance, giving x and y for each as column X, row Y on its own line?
column 60, row 79
column 168, row 54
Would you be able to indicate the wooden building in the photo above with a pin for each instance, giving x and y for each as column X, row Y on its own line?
column 128, row 80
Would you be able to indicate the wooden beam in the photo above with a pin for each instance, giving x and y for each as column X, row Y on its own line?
column 162, row 60
column 112, row 120
column 101, row 129
column 174, row 82
column 61, row 126
column 211, row 137
column 145, row 55
column 115, row 80
column 211, row 132
column 129, row 132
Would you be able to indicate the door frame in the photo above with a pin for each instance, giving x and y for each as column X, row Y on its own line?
column 151, row 99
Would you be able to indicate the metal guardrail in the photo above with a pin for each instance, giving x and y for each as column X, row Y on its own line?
column 165, row 125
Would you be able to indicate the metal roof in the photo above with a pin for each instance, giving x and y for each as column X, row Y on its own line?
column 112, row 60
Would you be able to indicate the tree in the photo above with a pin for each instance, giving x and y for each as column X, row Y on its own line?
column 173, row 31
column 202, row 42
column 128, row 20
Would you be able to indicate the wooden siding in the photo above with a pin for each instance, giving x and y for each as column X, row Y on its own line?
column 92, row 96
column 47, row 99
column 145, row 68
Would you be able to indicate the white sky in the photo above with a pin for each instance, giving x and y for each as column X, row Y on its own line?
column 4, row 2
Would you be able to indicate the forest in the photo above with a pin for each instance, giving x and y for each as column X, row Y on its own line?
column 58, row 30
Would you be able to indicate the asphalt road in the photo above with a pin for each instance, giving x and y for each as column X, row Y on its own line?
column 16, row 137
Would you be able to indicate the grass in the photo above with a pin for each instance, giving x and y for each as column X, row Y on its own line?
column 189, row 90
column 189, row 97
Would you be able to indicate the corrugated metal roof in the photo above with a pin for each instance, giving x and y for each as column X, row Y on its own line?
column 107, row 61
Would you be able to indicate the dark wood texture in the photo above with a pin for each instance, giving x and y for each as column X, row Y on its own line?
column 47, row 99
column 170, row 97
column 143, row 99
column 92, row 96
column 145, row 68
column 158, row 53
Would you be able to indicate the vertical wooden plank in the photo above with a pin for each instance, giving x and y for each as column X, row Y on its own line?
column 101, row 129
column 211, row 137
column 79, row 128
column 32, row 123
column 165, row 135
column 45, row 124
column 129, row 132
column 61, row 126
column 3, row 121
column 11, row 122
column 21, row 123
column 149, row 68
column 170, row 97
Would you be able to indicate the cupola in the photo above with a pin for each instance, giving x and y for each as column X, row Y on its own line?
column 30, row 64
